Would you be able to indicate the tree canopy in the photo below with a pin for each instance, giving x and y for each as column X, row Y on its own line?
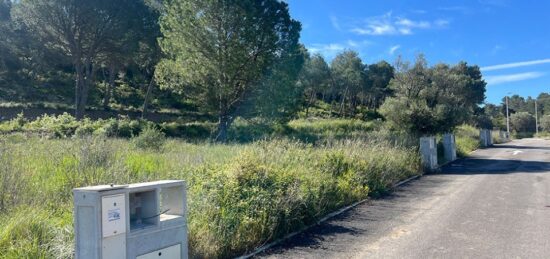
column 218, row 51
column 433, row 100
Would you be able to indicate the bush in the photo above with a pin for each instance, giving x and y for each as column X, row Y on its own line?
column 545, row 123
column 522, row 122
column 60, row 126
column 149, row 138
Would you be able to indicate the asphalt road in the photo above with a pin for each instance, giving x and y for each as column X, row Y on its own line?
column 495, row 204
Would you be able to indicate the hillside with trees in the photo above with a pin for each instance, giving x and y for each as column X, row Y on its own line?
column 270, row 136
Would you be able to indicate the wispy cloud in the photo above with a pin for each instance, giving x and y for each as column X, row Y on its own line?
column 501, row 79
column 516, row 64
column 388, row 24
column 331, row 49
column 326, row 49
column 393, row 49
column 335, row 23
column 496, row 49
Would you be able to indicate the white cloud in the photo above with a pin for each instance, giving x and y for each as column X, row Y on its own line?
column 353, row 43
column 412, row 24
column 335, row 23
column 330, row 50
column 516, row 64
column 387, row 24
column 501, row 79
column 326, row 49
column 393, row 49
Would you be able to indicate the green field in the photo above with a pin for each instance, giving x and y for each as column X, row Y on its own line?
column 240, row 195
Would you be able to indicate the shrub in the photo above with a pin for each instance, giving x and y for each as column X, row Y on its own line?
column 60, row 126
column 522, row 122
column 149, row 138
column 545, row 123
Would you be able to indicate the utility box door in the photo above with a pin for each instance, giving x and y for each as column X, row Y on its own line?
column 172, row 252
column 113, row 215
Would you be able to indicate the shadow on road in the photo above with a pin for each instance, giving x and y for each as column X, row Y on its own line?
column 471, row 166
column 520, row 147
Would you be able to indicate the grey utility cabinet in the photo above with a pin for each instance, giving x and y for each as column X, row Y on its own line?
column 136, row 221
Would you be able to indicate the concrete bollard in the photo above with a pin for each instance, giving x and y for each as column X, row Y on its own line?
column 486, row 138
column 428, row 152
column 501, row 135
column 449, row 147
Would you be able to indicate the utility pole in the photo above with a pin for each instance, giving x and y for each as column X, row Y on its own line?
column 507, row 118
column 536, row 117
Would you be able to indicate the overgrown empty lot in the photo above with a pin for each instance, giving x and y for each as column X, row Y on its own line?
column 239, row 195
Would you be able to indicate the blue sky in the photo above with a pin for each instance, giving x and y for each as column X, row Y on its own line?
column 509, row 39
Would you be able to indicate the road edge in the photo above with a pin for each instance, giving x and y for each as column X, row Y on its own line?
column 263, row 248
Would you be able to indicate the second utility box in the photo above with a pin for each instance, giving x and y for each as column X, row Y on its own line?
column 137, row 221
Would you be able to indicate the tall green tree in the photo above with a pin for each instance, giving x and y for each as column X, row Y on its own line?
column 348, row 74
column 279, row 95
column 379, row 76
column 218, row 51
column 81, row 30
column 433, row 100
column 315, row 78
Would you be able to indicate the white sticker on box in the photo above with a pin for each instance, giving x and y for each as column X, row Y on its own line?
column 113, row 215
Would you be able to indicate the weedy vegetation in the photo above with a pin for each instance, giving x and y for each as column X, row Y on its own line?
column 240, row 196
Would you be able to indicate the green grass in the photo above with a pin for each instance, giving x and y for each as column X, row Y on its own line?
column 242, row 130
column 240, row 195
column 467, row 140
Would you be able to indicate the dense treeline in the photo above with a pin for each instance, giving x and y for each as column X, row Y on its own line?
column 229, row 59
column 522, row 113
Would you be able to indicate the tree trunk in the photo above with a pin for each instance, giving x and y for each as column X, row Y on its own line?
column 79, row 81
column 86, row 77
column 147, row 96
column 342, row 106
column 110, row 87
column 223, row 126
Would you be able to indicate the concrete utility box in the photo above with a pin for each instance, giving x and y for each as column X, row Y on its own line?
column 136, row 221
column 449, row 147
column 486, row 138
column 428, row 153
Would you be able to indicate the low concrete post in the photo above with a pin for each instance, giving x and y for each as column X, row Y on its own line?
column 485, row 137
column 449, row 147
column 428, row 153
